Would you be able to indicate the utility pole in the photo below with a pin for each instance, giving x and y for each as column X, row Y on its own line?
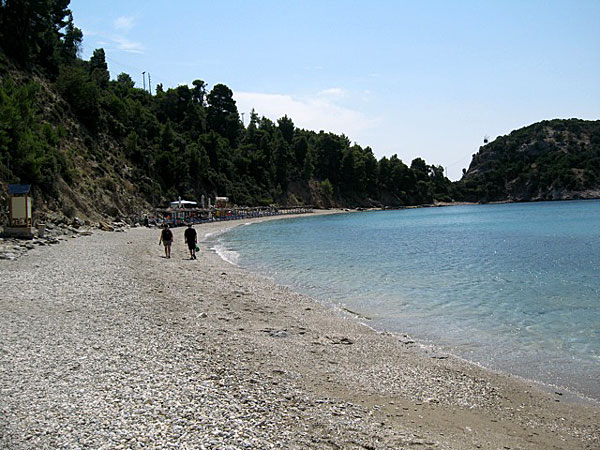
column 149, row 85
column 144, row 78
column 243, row 119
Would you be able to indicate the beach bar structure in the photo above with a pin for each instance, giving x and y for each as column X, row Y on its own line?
column 179, row 204
column 20, row 222
column 181, row 212
column 221, row 204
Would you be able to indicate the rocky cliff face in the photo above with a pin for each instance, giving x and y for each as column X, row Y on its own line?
column 549, row 160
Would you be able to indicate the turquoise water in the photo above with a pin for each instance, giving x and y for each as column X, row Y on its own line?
column 514, row 287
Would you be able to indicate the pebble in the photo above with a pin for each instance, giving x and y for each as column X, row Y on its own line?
column 12, row 248
column 95, row 353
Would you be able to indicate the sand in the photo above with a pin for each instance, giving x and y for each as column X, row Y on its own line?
column 104, row 343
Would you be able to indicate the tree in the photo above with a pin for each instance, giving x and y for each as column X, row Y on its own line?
column 215, row 147
column 199, row 163
column 124, row 79
column 326, row 189
column 31, row 32
column 192, row 140
column 251, row 131
column 199, row 92
column 328, row 152
column 167, row 137
column 72, row 38
column 286, row 126
column 76, row 87
column 370, row 171
column 222, row 113
column 281, row 161
column 99, row 68
column 420, row 168
column 131, row 145
column 347, row 169
column 28, row 148
column 308, row 169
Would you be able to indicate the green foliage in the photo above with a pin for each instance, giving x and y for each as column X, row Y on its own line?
column 39, row 33
column 287, row 129
column 99, row 69
column 222, row 113
column 190, row 141
column 326, row 188
column 535, row 162
column 81, row 92
column 29, row 149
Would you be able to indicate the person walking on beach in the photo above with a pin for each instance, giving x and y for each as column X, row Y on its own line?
column 190, row 238
column 166, row 238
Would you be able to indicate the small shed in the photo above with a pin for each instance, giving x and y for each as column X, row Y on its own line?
column 20, row 205
column 20, row 222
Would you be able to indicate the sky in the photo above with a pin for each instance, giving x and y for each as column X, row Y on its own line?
column 419, row 78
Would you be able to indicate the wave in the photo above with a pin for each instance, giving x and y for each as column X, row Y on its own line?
column 215, row 234
column 227, row 255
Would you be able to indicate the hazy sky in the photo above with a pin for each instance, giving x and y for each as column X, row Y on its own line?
column 417, row 78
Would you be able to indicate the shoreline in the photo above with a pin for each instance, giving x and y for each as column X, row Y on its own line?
column 105, row 342
column 427, row 346
column 440, row 352
column 552, row 392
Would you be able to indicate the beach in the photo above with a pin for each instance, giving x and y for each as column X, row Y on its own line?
column 104, row 343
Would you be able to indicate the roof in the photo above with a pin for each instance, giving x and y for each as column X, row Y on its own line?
column 183, row 203
column 18, row 189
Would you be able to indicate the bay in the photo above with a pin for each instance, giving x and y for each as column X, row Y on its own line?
column 513, row 287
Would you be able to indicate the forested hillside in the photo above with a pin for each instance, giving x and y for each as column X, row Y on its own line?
column 549, row 160
column 96, row 145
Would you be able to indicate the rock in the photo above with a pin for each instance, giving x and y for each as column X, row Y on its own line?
column 278, row 333
column 105, row 227
column 341, row 340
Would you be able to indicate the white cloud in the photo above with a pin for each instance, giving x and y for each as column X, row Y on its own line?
column 128, row 46
column 123, row 23
column 317, row 112
column 333, row 92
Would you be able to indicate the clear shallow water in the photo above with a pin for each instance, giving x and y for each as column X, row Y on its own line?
column 515, row 287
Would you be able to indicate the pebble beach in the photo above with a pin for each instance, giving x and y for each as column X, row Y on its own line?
column 104, row 343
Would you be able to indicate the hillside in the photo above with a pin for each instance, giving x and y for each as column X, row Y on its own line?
column 73, row 173
column 95, row 146
column 119, row 152
column 549, row 160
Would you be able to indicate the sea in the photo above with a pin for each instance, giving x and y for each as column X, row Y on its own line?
column 514, row 287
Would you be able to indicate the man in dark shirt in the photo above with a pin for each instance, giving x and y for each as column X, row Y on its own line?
column 166, row 238
column 191, row 239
